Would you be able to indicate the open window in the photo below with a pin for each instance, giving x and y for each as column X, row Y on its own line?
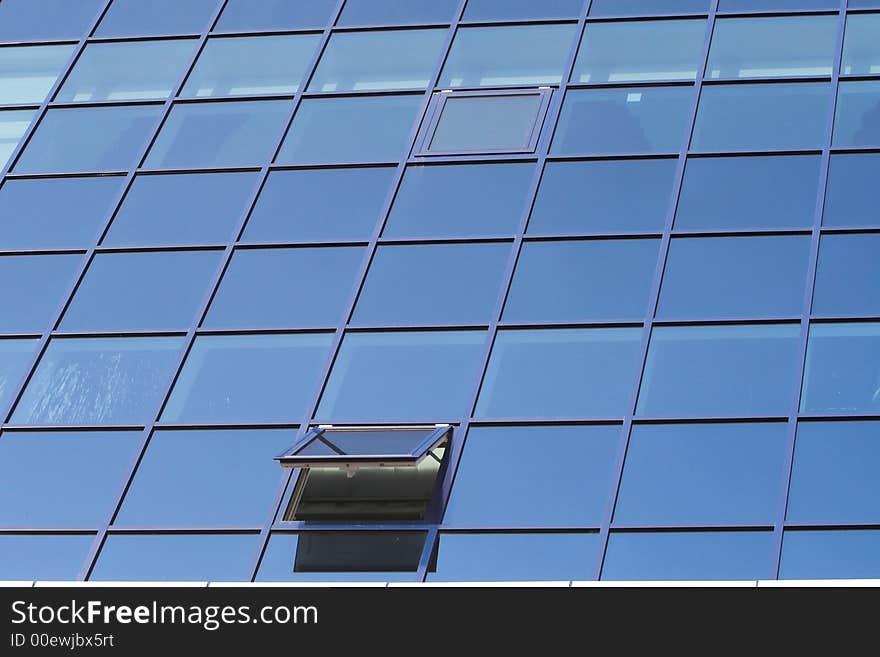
column 365, row 473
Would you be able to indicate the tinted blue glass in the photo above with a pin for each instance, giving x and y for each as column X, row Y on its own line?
column 13, row 125
column 44, row 20
column 712, row 371
column 319, row 205
column 637, row 51
column 514, row 557
column 452, row 200
column 43, row 557
column 417, row 285
column 218, row 134
column 251, row 65
column 285, row 288
column 688, row 556
column 788, row 46
column 735, row 276
column 27, row 74
column 841, row 554
column 486, row 124
column 98, row 381
column 623, row 120
column 485, row 10
column 777, row 5
column 733, row 193
column 852, row 197
column 150, row 290
column 647, row 7
column 552, row 475
column 847, row 275
column 761, row 116
column 233, row 484
column 253, row 15
column 560, row 373
column 62, row 478
column 584, row 280
column 562, row 207
column 392, row 12
column 862, row 4
column 372, row 61
column 134, row 17
column 861, row 50
column 857, row 119
column 834, row 477
column 175, row 557
column 89, row 139
column 40, row 281
column 722, row 474
column 181, row 209
column 357, row 129
column 127, row 71
column 14, row 358
column 406, row 376
column 843, row 361
column 508, row 55
column 59, row 213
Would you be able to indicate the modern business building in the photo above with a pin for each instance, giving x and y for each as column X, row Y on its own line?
column 439, row 290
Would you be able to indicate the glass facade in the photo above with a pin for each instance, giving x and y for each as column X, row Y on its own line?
column 627, row 249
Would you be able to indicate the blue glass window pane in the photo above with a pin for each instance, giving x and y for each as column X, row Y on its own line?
column 219, row 134
column 863, row 4
column 735, row 277
column 89, row 139
column 13, row 125
column 623, row 120
column 761, row 117
column 497, row 10
column 508, row 55
column 486, row 124
column 636, row 51
column 251, row 65
column 355, row 129
column 181, row 209
column 176, row 557
column 514, row 557
column 425, row 375
column 562, row 207
column 256, row 15
column 55, row 213
column 127, row 71
column 233, row 484
column 393, row 12
column 584, row 280
column 857, row 119
column 834, row 477
column 777, row 5
column 519, row 476
column 861, row 48
column 43, row 557
column 40, row 282
column 735, row 193
column 714, row 371
column 843, row 369
column 416, row 284
column 560, row 373
column 846, row 280
column 135, row 17
column 113, row 381
column 140, row 291
column 840, row 554
column 14, row 358
column 240, row 378
column 28, row 73
column 62, row 478
column 693, row 474
column 647, row 7
column 373, row 61
column 46, row 20
column 789, row 46
column 454, row 200
column 319, row 205
column 852, row 196
column 688, row 556
column 285, row 288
